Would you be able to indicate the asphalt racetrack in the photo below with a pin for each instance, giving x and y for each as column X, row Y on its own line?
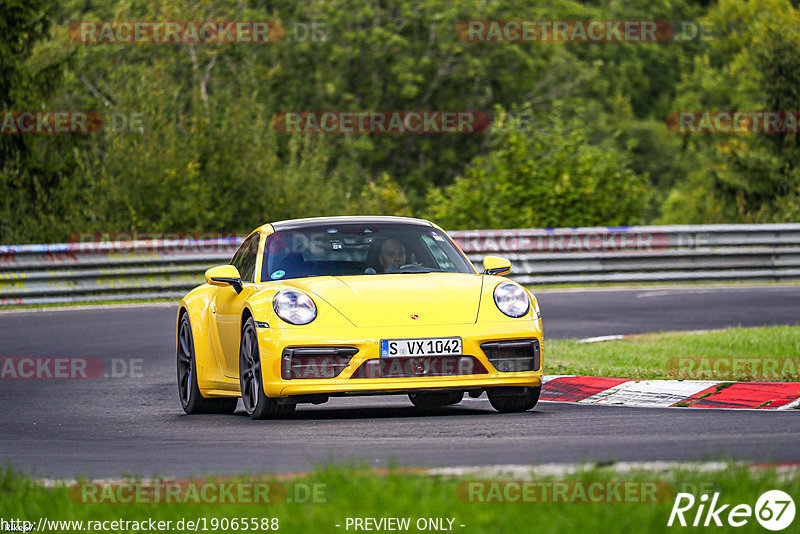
column 108, row 427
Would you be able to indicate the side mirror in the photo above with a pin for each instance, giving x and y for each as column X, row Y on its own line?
column 225, row 275
column 496, row 265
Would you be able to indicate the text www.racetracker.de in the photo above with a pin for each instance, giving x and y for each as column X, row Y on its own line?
column 200, row 524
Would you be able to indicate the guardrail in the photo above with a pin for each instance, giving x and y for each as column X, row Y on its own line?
column 147, row 269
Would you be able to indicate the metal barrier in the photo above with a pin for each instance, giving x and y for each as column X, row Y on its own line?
column 147, row 269
column 108, row 270
column 642, row 253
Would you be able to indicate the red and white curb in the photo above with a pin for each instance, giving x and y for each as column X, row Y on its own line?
column 666, row 393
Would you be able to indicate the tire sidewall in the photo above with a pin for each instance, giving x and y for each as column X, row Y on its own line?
column 261, row 398
column 191, row 404
column 515, row 403
column 436, row 399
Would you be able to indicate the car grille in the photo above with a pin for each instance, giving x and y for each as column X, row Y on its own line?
column 315, row 362
column 418, row 367
column 513, row 355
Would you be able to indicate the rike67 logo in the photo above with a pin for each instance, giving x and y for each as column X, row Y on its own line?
column 774, row 510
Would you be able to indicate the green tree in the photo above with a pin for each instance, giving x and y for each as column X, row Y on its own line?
column 544, row 176
column 752, row 64
column 37, row 192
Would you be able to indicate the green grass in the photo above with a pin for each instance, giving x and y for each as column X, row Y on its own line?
column 767, row 353
column 361, row 493
column 87, row 303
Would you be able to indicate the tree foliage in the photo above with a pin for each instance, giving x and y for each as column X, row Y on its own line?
column 542, row 176
column 579, row 135
column 753, row 64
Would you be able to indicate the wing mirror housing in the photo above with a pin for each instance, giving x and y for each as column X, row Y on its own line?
column 225, row 275
column 496, row 265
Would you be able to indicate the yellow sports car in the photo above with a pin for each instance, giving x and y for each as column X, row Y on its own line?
column 335, row 306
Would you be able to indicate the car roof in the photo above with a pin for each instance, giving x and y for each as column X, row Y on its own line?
column 293, row 224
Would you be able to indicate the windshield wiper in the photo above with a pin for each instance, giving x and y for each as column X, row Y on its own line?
column 420, row 270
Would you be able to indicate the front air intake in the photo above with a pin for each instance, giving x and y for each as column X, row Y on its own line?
column 513, row 356
column 425, row 366
column 315, row 362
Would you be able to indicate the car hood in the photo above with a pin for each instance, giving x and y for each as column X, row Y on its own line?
column 400, row 299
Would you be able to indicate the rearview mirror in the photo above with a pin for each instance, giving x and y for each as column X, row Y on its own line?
column 496, row 265
column 225, row 275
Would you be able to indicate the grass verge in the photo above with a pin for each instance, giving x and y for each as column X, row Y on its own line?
column 56, row 305
column 762, row 354
column 455, row 502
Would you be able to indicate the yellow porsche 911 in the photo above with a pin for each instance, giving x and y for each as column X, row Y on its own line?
column 341, row 306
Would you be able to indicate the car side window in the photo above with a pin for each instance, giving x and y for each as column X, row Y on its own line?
column 245, row 258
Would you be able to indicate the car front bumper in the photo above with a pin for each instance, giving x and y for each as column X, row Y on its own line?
column 272, row 342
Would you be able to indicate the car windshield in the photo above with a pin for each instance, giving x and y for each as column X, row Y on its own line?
column 359, row 249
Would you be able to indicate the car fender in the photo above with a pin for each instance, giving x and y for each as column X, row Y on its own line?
column 197, row 304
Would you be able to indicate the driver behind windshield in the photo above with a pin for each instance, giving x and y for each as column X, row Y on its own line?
column 393, row 255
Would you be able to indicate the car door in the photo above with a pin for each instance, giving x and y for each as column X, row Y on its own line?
column 228, row 305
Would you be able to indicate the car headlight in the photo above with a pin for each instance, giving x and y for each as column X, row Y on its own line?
column 511, row 299
column 294, row 307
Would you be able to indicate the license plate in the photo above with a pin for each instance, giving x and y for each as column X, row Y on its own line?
column 432, row 346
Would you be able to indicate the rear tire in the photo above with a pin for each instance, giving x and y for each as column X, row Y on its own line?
column 435, row 399
column 256, row 403
column 192, row 400
column 505, row 400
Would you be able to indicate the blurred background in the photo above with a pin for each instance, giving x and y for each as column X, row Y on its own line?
column 579, row 133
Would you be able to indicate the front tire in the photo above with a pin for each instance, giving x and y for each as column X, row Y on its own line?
column 256, row 403
column 192, row 400
column 507, row 400
column 435, row 399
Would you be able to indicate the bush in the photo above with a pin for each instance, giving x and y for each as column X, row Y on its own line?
column 542, row 176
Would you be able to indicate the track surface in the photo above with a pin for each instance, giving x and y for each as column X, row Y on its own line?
column 106, row 427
